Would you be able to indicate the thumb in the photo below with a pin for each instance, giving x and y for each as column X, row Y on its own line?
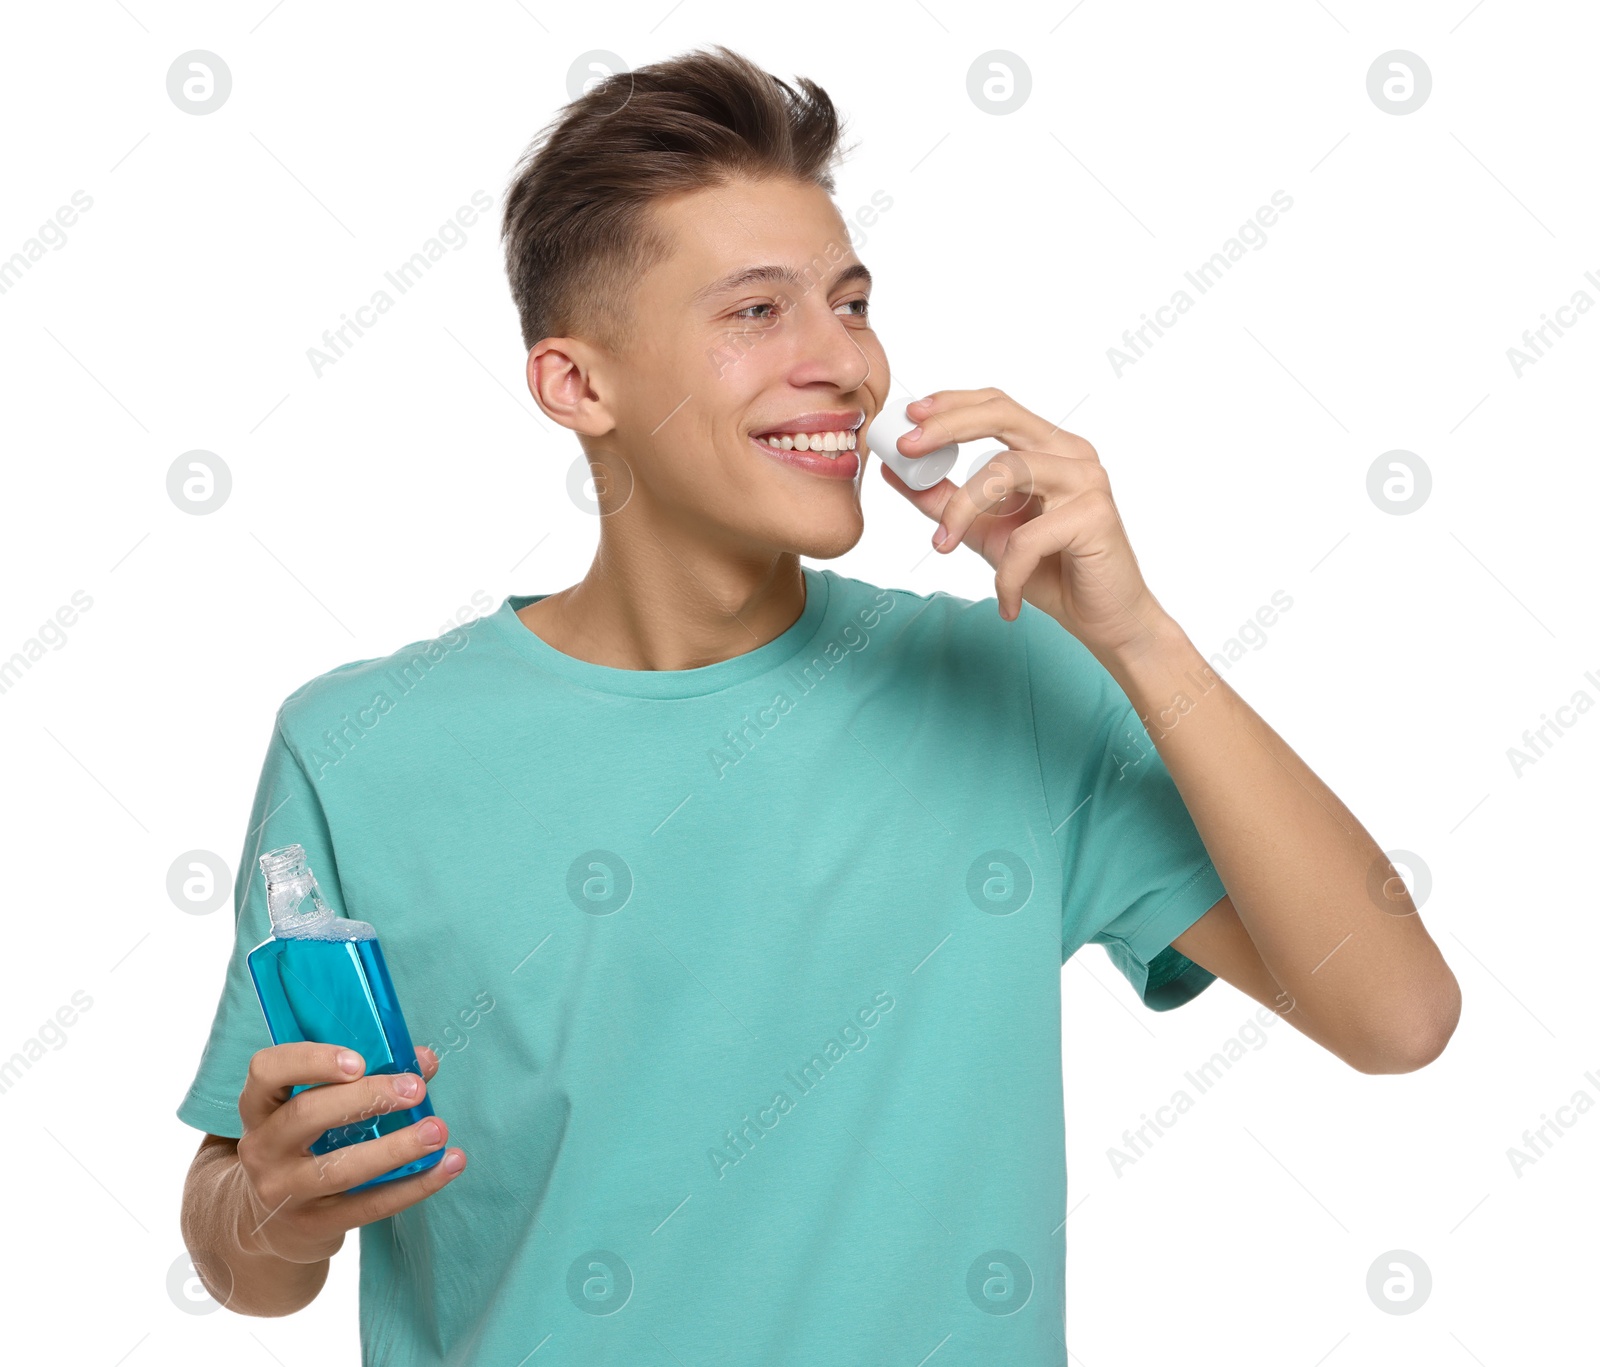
column 930, row 502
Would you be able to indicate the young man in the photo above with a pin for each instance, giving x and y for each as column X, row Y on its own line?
column 734, row 892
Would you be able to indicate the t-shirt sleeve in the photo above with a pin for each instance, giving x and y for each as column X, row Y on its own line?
column 1135, row 872
column 286, row 811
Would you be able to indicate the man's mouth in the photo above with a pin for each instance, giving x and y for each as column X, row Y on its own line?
column 830, row 435
column 829, row 443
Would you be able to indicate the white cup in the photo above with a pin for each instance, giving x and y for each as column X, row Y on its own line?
column 920, row 472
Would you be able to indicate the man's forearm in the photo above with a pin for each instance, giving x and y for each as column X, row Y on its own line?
column 1308, row 883
column 216, row 1232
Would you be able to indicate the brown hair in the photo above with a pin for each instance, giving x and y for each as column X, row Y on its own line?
column 577, row 231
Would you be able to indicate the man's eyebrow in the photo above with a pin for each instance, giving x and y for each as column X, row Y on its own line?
column 777, row 275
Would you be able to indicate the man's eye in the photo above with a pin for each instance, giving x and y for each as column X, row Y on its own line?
column 859, row 307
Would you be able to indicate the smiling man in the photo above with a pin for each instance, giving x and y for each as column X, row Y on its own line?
column 735, row 892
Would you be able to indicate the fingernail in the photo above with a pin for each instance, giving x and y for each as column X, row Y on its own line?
column 407, row 1084
column 940, row 534
column 454, row 1161
column 350, row 1063
column 429, row 1132
column 914, row 433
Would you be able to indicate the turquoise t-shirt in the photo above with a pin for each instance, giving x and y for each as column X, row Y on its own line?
column 745, row 979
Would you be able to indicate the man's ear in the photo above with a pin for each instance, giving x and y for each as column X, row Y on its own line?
column 561, row 378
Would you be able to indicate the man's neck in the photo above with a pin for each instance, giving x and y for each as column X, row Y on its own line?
column 669, row 609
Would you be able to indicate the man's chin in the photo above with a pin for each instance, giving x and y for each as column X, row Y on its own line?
column 827, row 541
column 823, row 533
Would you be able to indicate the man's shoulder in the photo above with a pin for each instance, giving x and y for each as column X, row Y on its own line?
column 937, row 613
column 862, row 591
column 962, row 642
column 376, row 682
column 971, row 631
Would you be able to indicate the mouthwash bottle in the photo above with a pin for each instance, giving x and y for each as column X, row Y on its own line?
column 321, row 977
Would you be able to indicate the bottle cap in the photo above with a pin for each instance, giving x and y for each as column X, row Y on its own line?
column 920, row 472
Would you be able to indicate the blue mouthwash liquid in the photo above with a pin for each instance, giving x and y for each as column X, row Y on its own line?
column 321, row 977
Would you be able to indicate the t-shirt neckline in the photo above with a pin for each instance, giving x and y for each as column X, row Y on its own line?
column 667, row 683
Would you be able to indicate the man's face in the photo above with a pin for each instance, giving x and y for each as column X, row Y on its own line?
column 718, row 363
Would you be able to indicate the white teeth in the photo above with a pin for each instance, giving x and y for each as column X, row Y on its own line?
column 829, row 443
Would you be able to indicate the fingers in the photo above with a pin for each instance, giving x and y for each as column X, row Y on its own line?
column 338, row 1170
column 276, row 1071
column 1076, row 529
column 291, row 1130
column 1004, row 486
column 968, row 414
column 305, row 1207
column 927, row 501
column 299, row 1194
column 1061, row 529
column 376, row 1203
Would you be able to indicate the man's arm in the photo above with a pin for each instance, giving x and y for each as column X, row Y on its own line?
column 215, row 1203
column 1361, row 974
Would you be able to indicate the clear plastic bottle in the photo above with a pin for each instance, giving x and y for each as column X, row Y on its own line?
column 321, row 977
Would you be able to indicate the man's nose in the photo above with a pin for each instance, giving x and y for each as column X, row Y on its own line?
column 826, row 348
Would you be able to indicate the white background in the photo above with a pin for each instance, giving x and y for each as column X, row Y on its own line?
column 369, row 505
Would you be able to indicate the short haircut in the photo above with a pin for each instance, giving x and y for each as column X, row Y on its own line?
column 577, row 230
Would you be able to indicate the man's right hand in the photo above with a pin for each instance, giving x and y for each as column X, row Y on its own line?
column 299, row 1205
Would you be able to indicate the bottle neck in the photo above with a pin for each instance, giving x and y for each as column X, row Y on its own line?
column 294, row 900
